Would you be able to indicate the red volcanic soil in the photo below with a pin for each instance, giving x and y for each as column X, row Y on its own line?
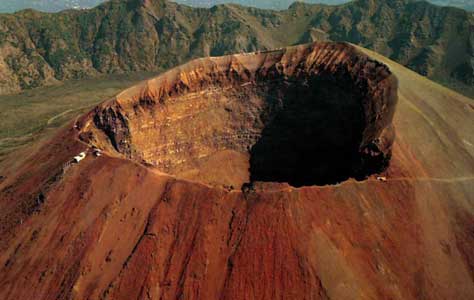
column 251, row 176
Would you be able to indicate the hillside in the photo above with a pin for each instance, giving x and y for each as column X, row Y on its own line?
column 117, row 227
column 150, row 35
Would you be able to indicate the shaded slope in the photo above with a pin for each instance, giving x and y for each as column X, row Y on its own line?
column 109, row 228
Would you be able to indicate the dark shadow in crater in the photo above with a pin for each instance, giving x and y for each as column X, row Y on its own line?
column 312, row 135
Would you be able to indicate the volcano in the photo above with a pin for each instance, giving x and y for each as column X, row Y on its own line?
column 305, row 116
column 308, row 172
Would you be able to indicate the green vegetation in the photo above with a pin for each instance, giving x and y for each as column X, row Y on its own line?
column 133, row 35
column 33, row 114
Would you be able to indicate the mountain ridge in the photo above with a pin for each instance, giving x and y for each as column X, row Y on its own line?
column 119, row 36
column 48, row 6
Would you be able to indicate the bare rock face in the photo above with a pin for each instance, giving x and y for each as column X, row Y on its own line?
column 308, row 115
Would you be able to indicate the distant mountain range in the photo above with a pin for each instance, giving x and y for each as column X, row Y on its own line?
column 57, row 5
column 152, row 35
column 266, row 4
column 465, row 4
column 283, row 4
column 47, row 5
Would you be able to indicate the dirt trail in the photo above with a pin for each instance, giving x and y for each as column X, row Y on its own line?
column 455, row 179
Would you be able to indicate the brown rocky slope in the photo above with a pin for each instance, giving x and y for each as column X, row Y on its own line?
column 161, row 215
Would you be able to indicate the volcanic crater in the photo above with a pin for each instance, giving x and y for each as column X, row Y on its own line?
column 314, row 114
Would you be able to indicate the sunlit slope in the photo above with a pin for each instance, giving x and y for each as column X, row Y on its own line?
column 433, row 122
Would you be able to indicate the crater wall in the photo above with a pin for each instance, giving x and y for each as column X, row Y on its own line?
column 313, row 114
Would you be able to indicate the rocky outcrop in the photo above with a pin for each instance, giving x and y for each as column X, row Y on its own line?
column 312, row 114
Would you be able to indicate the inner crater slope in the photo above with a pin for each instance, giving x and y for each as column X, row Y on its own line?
column 313, row 114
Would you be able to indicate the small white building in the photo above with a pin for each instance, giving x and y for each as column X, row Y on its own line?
column 97, row 152
column 79, row 157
